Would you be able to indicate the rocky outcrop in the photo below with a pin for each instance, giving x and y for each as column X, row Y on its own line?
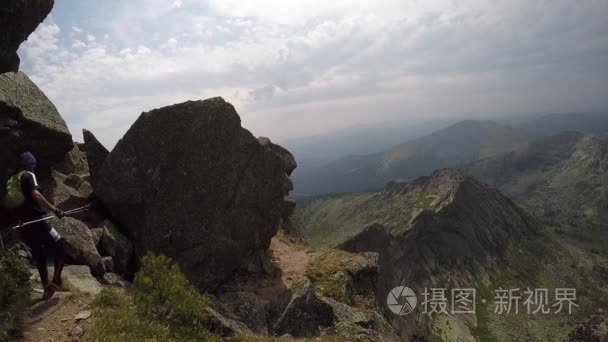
column 113, row 279
column 113, row 243
column 467, row 226
column 18, row 19
column 62, row 191
column 96, row 154
column 222, row 321
column 29, row 121
column 354, row 324
column 456, row 225
column 304, row 314
column 80, row 248
column 75, row 162
column 248, row 308
column 188, row 181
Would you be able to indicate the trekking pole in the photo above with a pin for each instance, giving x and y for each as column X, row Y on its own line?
column 69, row 212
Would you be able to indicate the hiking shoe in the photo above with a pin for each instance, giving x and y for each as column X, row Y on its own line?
column 49, row 291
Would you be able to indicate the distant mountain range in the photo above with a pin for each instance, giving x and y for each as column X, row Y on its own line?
column 554, row 123
column 456, row 145
column 315, row 151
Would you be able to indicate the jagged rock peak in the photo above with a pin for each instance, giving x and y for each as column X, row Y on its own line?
column 96, row 154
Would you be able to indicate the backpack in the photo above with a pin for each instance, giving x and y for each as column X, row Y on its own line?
column 14, row 196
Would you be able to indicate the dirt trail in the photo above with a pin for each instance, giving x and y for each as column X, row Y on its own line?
column 56, row 320
column 291, row 259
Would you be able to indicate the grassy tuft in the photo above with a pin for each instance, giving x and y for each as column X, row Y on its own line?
column 325, row 270
column 162, row 307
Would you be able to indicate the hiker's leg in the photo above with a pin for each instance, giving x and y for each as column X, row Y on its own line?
column 39, row 255
column 55, row 245
column 35, row 244
column 59, row 261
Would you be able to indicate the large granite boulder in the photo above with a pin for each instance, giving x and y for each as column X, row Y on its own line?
column 18, row 19
column 96, row 154
column 188, row 181
column 29, row 121
column 79, row 244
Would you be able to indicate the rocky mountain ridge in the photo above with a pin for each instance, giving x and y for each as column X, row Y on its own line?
column 454, row 146
column 561, row 179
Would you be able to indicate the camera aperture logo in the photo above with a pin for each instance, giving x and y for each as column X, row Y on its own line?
column 402, row 300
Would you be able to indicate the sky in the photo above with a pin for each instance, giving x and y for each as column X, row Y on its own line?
column 299, row 68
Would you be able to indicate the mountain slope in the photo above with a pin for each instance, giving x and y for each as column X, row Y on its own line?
column 456, row 145
column 451, row 231
column 562, row 179
column 314, row 151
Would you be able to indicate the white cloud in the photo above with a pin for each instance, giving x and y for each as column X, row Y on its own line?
column 42, row 42
column 172, row 42
column 78, row 44
column 296, row 68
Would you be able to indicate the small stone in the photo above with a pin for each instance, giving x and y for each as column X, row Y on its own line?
column 83, row 315
column 76, row 332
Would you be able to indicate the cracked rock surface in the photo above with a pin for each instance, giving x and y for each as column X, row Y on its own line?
column 188, row 181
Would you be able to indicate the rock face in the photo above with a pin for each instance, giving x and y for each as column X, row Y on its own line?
column 116, row 245
column 28, row 120
column 79, row 244
column 248, row 309
column 188, row 181
column 96, row 154
column 18, row 19
column 304, row 313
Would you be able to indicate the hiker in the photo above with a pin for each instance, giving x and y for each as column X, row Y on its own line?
column 26, row 203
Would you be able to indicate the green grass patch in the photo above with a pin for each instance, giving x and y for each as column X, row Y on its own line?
column 329, row 221
column 329, row 270
column 163, row 306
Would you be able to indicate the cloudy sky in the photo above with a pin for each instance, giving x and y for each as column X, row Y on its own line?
column 301, row 67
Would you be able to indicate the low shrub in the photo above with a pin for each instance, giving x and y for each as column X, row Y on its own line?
column 162, row 293
column 15, row 289
column 163, row 306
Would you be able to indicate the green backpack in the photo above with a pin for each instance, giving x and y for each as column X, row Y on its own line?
column 14, row 196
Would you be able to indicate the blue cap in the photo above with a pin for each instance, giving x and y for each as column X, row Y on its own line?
column 28, row 161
